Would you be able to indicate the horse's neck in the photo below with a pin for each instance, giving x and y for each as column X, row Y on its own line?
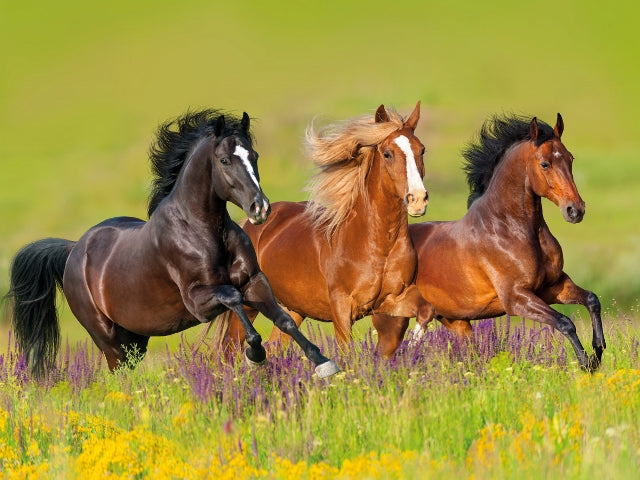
column 380, row 212
column 193, row 195
column 509, row 194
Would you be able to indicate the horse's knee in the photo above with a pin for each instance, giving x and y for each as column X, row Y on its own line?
column 593, row 302
column 426, row 313
column 565, row 326
column 228, row 295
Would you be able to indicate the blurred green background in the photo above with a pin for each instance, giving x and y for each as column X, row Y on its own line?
column 84, row 84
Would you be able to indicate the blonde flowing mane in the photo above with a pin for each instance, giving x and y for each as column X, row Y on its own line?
column 343, row 154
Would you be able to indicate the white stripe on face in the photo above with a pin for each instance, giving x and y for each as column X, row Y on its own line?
column 413, row 176
column 243, row 153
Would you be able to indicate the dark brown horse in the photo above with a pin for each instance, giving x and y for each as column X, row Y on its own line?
column 126, row 280
column 347, row 252
column 501, row 257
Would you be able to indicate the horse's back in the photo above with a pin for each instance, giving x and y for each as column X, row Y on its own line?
column 99, row 241
column 112, row 268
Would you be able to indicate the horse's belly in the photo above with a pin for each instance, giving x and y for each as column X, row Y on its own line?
column 459, row 293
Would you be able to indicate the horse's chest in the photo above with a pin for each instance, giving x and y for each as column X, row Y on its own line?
column 390, row 275
column 546, row 266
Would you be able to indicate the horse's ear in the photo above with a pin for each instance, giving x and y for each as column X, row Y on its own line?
column 559, row 128
column 533, row 129
column 245, row 122
column 381, row 115
column 219, row 126
column 412, row 121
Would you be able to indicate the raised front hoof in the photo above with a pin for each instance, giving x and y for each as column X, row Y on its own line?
column 327, row 369
column 255, row 356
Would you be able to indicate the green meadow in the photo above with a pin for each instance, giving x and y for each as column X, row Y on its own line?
column 83, row 86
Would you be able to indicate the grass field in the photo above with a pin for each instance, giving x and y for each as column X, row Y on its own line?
column 83, row 86
column 511, row 403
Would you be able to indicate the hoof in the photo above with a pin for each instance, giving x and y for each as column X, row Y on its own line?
column 252, row 362
column 594, row 362
column 326, row 369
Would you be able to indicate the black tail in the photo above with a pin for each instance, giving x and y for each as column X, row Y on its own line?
column 36, row 270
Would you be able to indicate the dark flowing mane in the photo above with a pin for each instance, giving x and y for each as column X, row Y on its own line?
column 174, row 141
column 496, row 136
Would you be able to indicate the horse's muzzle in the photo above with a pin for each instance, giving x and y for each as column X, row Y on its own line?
column 259, row 210
column 573, row 213
column 417, row 202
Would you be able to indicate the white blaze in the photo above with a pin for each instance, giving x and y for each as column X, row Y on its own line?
column 413, row 176
column 243, row 153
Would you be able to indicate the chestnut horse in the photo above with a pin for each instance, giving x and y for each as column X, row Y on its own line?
column 501, row 257
column 347, row 253
column 127, row 279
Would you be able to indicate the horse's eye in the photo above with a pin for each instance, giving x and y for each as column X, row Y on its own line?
column 545, row 165
column 387, row 154
column 225, row 161
column 422, row 151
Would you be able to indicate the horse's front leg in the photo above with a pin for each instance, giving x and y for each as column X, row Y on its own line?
column 390, row 330
column 391, row 318
column 206, row 302
column 526, row 304
column 565, row 291
column 409, row 303
column 259, row 296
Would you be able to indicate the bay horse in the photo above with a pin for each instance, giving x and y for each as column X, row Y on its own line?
column 347, row 253
column 501, row 257
column 126, row 279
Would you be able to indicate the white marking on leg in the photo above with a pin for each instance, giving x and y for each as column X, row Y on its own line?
column 418, row 333
column 243, row 153
column 413, row 176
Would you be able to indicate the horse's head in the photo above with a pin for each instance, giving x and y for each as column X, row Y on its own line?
column 402, row 154
column 235, row 171
column 550, row 172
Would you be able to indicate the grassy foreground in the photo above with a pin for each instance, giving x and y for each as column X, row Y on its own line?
column 512, row 403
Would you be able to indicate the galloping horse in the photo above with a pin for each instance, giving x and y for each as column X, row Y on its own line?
column 126, row 280
column 501, row 257
column 347, row 253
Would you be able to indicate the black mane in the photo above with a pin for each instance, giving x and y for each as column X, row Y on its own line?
column 496, row 136
column 174, row 141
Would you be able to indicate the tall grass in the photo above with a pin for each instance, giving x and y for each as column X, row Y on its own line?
column 511, row 403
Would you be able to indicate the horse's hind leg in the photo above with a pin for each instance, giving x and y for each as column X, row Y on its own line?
column 565, row 291
column 111, row 339
column 132, row 344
